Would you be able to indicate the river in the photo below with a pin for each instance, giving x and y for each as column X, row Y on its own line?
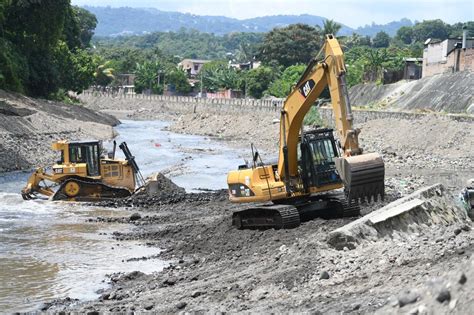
column 48, row 249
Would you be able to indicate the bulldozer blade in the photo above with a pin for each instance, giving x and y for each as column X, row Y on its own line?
column 363, row 176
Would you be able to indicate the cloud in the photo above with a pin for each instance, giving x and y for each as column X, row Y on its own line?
column 352, row 13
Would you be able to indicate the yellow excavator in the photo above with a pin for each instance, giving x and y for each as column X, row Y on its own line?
column 83, row 174
column 312, row 166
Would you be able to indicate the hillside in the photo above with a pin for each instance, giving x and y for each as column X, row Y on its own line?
column 136, row 21
column 28, row 126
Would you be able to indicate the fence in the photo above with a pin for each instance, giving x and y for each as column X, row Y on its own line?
column 220, row 103
column 188, row 104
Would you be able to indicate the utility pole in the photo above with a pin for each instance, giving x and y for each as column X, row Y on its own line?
column 201, row 84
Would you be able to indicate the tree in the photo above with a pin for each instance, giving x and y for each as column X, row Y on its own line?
column 381, row 39
column 331, row 27
column 283, row 85
column 41, row 48
column 147, row 76
column 257, row 81
column 103, row 74
column 456, row 29
column 87, row 23
column 435, row 29
column 296, row 43
column 178, row 81
column 405, row 34
column 217, row 75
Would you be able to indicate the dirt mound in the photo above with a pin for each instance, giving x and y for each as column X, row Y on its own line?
column 28, row 126
column 160, row 190
column 160, row 185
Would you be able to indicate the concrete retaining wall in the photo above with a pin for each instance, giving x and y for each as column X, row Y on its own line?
column 183, row 104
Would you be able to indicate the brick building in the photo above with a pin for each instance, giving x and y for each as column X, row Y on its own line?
column 450, row 55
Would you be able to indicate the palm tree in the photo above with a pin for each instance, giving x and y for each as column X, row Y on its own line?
column 331, row 27
column 103, row 74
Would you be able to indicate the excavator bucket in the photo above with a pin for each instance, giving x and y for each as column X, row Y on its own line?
column 363, row 176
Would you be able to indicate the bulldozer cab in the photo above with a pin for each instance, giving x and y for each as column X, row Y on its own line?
column 83, row 152
column 317, row 154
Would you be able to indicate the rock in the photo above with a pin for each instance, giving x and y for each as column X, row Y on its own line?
column 135, row 216
column 170, row 281
column 408, row 297
column 457, row 231
column 104, row 296
column 148, row 306
column 462, row 279
column 181, row 305
column 443, row 295
column 324, row 275
column 452, row 304
column 195, row 294
column 356, row 306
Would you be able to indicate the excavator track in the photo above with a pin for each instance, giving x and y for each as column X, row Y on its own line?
column 267, row 217
column 349, row 209
column 75, row 189
column 285, row 216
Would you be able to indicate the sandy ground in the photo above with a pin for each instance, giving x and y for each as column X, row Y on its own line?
column 214, row 267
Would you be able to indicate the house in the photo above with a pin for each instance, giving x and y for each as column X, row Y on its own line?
column 126, row 83
column 450, row 55
column 192, row 66
column 245, row 65
column 412, row 69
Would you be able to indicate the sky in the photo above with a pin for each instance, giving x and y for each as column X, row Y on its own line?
column 352, row 13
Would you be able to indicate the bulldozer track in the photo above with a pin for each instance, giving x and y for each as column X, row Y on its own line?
column 90, row 191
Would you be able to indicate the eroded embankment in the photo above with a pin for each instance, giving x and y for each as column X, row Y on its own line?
column 28, row 126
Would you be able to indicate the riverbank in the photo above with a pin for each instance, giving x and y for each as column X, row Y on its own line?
column 28, row 126
column 217, row 268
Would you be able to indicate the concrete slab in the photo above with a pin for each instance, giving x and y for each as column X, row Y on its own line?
column 427, row 206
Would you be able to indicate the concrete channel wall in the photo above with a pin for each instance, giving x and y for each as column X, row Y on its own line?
column 185, row 104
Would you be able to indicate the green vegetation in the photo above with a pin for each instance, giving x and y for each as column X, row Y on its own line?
column 282, row 86
column 43, row 47
column 286, row 46
column 46, row 50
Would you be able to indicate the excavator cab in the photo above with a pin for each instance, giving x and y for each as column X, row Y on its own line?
column 317, row 154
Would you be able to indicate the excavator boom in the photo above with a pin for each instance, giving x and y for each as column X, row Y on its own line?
column 362, row 174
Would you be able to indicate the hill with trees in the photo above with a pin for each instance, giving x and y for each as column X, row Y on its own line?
column 139, row 21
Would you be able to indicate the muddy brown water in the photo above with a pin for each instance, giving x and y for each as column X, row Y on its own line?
column 49, row 249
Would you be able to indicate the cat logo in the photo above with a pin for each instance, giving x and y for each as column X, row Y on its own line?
column 306, row 88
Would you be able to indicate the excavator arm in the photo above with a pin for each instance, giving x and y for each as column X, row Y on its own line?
column 362, row 174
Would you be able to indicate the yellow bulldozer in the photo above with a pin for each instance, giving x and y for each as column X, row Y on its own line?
column 84, row 174
column 312, row 167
